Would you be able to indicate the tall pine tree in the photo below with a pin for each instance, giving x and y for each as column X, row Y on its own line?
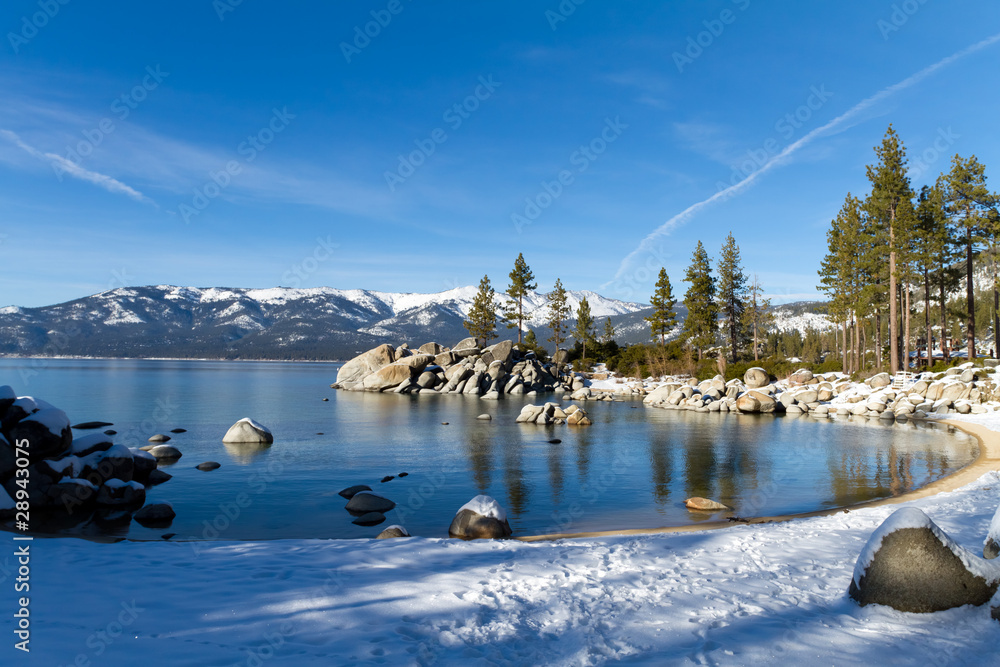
column 757, row 316
column 732, row 294
column 609, row 331
column 482, row 320
column 701, row 324
column 968, row 203
column 662, row 319
column 584, row 329
column 521, row 282
column 889, row 209
column 559, row 311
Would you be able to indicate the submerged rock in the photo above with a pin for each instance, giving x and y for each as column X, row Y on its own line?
column 366, row 501
column 391, row 532
column 704, row 505
column 351, row 491
column 208, row 465
column 155, row 514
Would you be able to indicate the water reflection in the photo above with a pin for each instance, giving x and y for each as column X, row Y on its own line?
column 244, row 453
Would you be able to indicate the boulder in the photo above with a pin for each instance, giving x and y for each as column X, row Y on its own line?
column 159, row 437
column 351, row 491
column 801, row 376
column 427, row 380
column 484, row 417
column 247, row 430
column 480, row 518
column 756, row 377
column 143, row 463
column 117, row 493
column 432, row 349
column 581, row 394
column 7, row 397
column 704, row 505
column 355, row 370
column 365, row 501
column 389, row 376
column 117, row 463
column 911, row 565
column 49, row 432
column 953, row 391
column 208, row 466
column 157, row 515
column 369, row 519
column 166, row 453
column 501, row 352
column 157, row 477
column 879, row 380
column 88, row 444
column 391, row 532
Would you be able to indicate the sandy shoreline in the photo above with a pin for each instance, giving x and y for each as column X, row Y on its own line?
column 987, row 460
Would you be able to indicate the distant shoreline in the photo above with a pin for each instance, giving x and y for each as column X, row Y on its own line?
column 270, row 361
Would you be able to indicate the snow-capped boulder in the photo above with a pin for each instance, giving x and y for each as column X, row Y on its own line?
column 117, row 493
column 756, row 377
column 7, row 397
column 755, row 401
column 480, row 518
column 910, row 564
column 365, row 501
column 391, row 532
column 991, row 546
column 48, row 430
column 143, row 463
column 247, row 430
column 88, row 444
column 155, row 515
column 705, row 505
column 800, row 376
column 581, row 394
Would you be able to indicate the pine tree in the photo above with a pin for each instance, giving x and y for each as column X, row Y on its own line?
column 662, row 319
column 732, row 294
column 482, row 320
column 584, row 329
column 934, row 252
column 701, row 324
column 889, row 208
column 559, row 311
column 841, row 273
column 757, row 316
column 521, row 282
column 968, row 203
column 609, row 331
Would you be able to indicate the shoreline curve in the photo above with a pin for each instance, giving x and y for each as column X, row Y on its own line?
column 987, row 460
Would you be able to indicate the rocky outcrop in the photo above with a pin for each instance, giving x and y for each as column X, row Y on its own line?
column 489, row 372
column 704, row 505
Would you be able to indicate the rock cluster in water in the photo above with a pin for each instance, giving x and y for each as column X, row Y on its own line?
column 553, row 413
column 71, row 480
column 962, row 390
column 488, row 372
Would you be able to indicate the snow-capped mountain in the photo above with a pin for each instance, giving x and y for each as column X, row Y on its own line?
column 315, row 323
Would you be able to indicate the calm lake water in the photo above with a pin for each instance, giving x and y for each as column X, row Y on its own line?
column 633, row 468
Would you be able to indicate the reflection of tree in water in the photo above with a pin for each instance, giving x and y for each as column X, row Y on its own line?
column 480, row 452
column 583, row 442
column 513, row 475
column 555, row 471
column 660, row 463
column 700, row 464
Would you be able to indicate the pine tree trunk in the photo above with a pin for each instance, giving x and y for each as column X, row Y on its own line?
column 893, row 322
column 927, row 318
column 878, row 338
column 906, row 328
column 843, row 358
column 945, row 351
column 970, row 333
column 996, row 304
column 857, row 345
column 520, row 317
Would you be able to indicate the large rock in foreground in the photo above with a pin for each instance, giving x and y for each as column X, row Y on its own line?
column 357, row 368
column 247, row 430
column 756, row 377
column 480, row 518
column 910, row 564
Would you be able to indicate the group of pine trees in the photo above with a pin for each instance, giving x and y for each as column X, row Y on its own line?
column 730, row 294
column 487, row 313
column 893, row 244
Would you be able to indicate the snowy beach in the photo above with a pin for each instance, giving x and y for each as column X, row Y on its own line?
column 751, row 594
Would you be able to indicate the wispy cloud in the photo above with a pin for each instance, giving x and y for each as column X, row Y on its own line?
column 785, row 155
column 66, row 166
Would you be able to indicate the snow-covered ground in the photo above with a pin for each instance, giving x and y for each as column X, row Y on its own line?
column 761, row 594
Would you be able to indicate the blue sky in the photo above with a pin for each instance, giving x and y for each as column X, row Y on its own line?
column 246, row 145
